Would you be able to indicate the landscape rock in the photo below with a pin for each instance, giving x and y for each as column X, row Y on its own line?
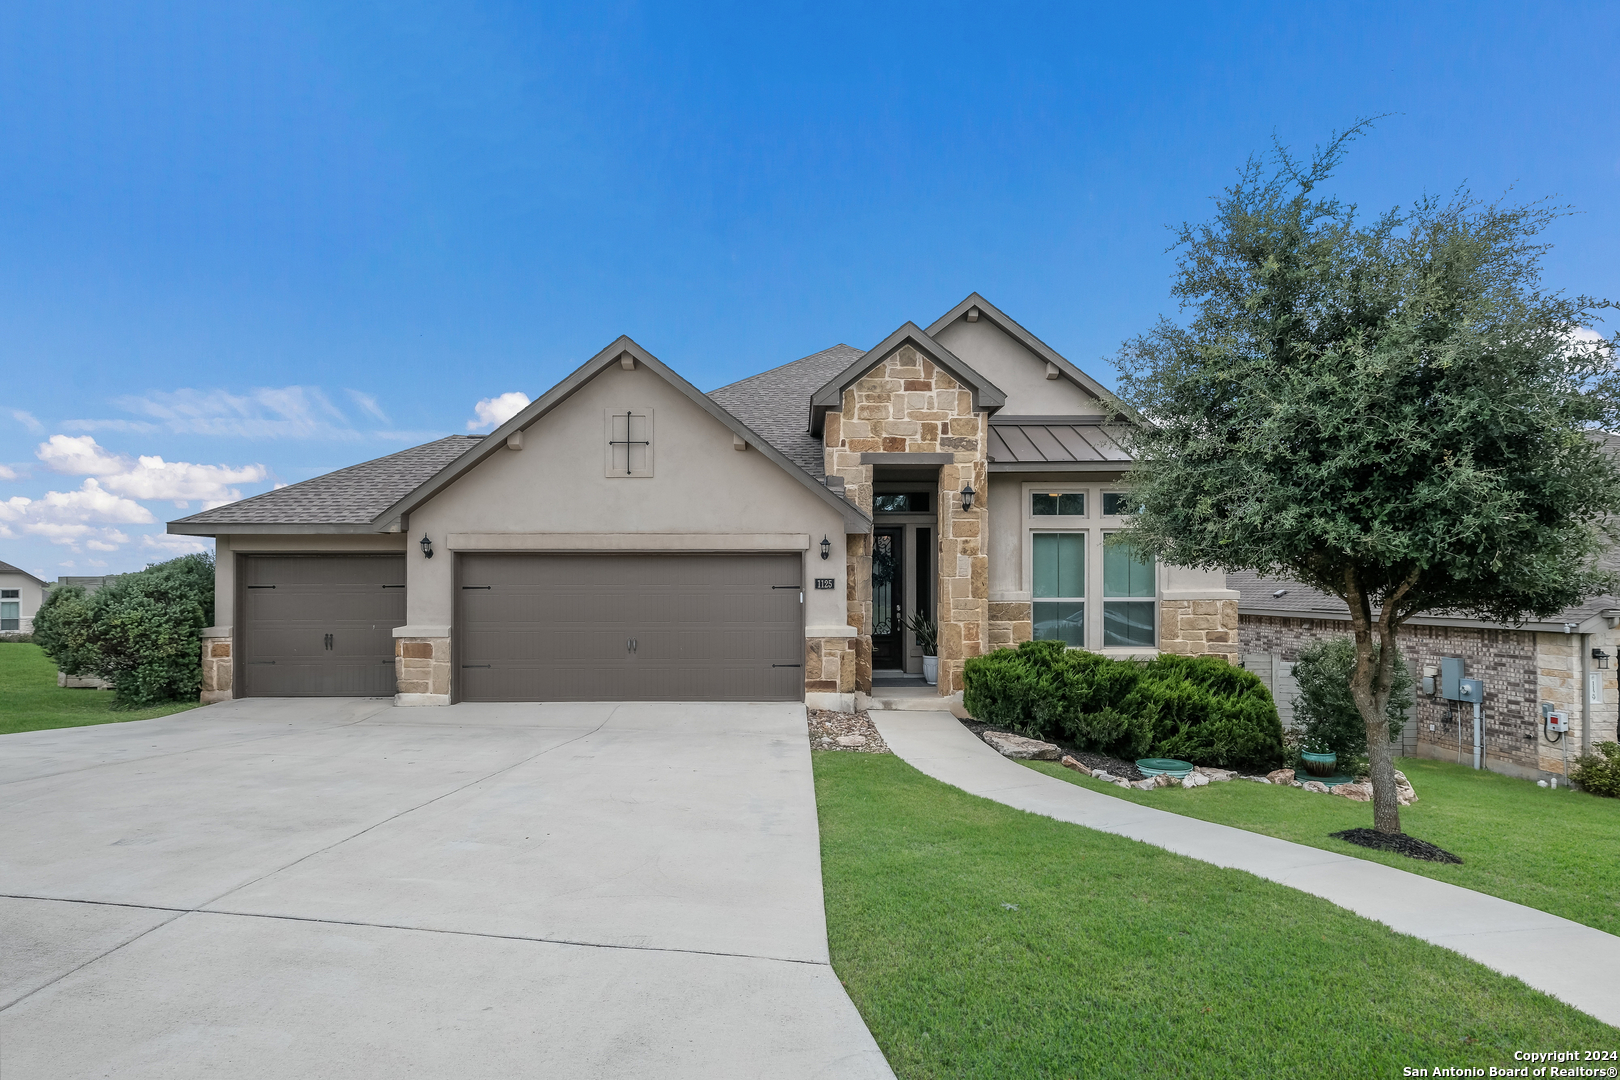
column 1120, row 781
column 1164, row 781
column 1195, row 779
column 1403, row 789
column 1281, row 776
column 1216, row 776
column 1357, row 792
column 1021, row 749
column 1069, row 763
column 852, row 740
column 1143, row 785
column 1255, row 779
column 1314, row 785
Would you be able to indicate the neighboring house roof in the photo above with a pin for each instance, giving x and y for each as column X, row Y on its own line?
column 1286, row 598
column 354, row 496
column 772, row 403
column 7, row 568
column 986, row 394
column 1056, row 442
column 623, row 350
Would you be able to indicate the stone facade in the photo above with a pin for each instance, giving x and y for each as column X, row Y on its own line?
column 218, row 668
column 830, row 665
column 1199, row 627
column 1011, row 623
column 422, row 670
column 908, row 405
column 1520, row 670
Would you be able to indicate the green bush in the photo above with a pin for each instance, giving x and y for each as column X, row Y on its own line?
column 1599, row 773
column 1326, row 713
column 140, row 632
column 1199, row 709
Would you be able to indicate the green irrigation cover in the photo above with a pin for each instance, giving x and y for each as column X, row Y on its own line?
column 1156, row 766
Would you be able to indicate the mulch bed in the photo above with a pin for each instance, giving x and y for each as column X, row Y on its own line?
column 1115, row 766
column 1399, row 843
column 827, row 727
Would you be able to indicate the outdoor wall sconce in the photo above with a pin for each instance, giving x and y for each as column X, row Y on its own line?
column 427, row 546
column 967, row 497
column 826, row 547
column 1600, row 657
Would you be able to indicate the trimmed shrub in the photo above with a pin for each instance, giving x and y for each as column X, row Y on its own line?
column 1199, row 709
column 1599, row 773
column 1326, row 713
column 140, row 632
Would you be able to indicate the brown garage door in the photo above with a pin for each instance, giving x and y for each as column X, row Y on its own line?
column 319, row 625
column 654, row 627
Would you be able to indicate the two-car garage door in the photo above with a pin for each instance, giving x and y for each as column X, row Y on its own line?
column 630, row 627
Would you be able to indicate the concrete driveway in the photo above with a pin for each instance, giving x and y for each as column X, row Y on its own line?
column 342, row 888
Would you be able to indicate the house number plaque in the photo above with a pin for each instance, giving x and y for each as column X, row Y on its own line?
column 824, row 582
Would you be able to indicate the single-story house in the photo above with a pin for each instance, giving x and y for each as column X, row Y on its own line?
column 1566, row 662
column 21, row 593
column 626, row 536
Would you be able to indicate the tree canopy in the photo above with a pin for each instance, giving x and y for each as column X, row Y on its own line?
column 1390, row 409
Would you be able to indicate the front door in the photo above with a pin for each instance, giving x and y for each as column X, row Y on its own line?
column 888, row 598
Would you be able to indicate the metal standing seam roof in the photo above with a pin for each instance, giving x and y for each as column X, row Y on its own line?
column 351, row 496
column 772, row 403
column 1078, row 440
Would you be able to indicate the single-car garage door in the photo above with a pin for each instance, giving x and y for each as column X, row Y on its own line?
column 319, row 625
column 621, row 627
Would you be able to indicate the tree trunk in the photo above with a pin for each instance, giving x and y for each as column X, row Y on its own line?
column 1369, row 687
column 1386, row 800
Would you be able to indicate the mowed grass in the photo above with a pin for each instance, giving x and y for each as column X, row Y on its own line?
column 982, row 941
column 30, row 700
column 1550, row 850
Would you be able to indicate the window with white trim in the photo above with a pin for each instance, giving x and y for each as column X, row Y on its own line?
column 1128, row 573
column 1058, row 587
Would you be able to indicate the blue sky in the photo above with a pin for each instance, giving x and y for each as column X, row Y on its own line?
column 246, row 244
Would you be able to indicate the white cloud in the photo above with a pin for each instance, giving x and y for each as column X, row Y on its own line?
column 96, row 562
column 287, row 412
column 498, row 410
column 147, row 477
column 174, row 545
column 74, row 517
column 27, row 420
column 7, row 473
column 368, row 402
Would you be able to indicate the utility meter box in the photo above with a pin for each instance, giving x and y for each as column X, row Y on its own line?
column 1451, row 673
column 1558, row 721
column 1470, row 690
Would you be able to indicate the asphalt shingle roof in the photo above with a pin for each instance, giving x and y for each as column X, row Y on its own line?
column 7, row 568
column 776, row 403
column 351, row 496
column 1257, row 595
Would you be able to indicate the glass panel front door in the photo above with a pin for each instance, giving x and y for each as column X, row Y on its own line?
column 888, row 598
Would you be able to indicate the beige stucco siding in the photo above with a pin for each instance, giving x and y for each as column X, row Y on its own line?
column 557, row 484
column 1019, row 373
column 30, row 594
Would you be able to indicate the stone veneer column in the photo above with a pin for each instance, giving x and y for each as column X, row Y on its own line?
column 830, row 668
column 218, row 666
column 906, row 405
column 422, row 670
column 1012, row 622
column 1199, row 628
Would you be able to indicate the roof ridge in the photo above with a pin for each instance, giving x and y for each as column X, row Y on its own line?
column 790, row 363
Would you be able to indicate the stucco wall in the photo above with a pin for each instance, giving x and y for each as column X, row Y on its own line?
column 1019, row 373
column 557, row 484
column 30, row 594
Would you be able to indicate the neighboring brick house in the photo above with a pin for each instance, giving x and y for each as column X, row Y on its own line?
column 1546, row 660
column 627, row 536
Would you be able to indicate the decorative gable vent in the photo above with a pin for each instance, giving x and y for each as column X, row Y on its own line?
column 629, row 442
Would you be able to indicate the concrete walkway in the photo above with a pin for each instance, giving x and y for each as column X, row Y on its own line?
column 312, row 888
column 1573, row 963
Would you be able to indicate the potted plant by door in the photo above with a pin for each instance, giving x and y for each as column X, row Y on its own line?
column 926, row 631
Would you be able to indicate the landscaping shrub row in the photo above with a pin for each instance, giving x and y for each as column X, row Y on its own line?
column 139, row 632
column 1199, row 709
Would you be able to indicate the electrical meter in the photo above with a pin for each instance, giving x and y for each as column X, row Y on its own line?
column 1558, row 720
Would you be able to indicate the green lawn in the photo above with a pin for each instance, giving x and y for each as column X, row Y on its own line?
column 1550, row 850
column 982, row 941
column 30, row 700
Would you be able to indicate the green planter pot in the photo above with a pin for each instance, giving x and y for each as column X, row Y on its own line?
column 1319, row 764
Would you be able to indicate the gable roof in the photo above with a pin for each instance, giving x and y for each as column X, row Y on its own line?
column 986, row 394
column 1006, row 325
column 772, row 403
column 7, row 568
column 854, row 518
column 348, row 500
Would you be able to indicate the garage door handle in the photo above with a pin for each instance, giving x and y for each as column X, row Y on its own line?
column 474, row 665
column 261, row 586
column 773, row 586
column 253, row 662
column 787, row 665
column 385, row 586
column 475, row 586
